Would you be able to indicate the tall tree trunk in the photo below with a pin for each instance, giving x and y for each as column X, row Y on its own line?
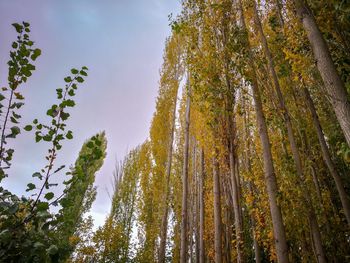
column 195, row 203
column 247, row 156
column 327, row 156
column 294, row 147
column 192, row 200
column 164, row 224
column 335, row 87
column 236, row 205
column 217, row 211
column 184, row 213
column 201, row 209
column 270, row 177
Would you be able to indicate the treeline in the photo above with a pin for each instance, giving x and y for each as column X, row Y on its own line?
column 248, row 157
column 251, row 163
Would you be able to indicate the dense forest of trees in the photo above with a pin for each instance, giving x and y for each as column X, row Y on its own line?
column 248, row 155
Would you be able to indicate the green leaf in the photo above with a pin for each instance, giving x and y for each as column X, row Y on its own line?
column 13, row 120
column 82, row 72
column 18, row 27
column 28, row 127
column 42, row 206
column 30, row 187
column 15, row 130
column 64, row 115
column 69, row 135
column 47, row 138
column 80, row 79
column 36, row 53
column 49, row 196
column 67, row 79
column 59, row 93
column 14, row 45
column 19, row 96
column 70, row 103
column 37, row 174
column 71, row 92
column 38, row 138
column 17, row 116
column 2, row 97
column 74, row 71
column 85, row 68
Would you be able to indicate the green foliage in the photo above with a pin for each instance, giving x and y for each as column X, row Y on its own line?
column 20, row 68
column 79, row 193
column 29, row 231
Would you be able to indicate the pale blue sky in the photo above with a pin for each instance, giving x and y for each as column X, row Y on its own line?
column 122, row 42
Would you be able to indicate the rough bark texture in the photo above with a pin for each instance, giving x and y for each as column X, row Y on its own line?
column 184, row 214
column 270, row 177
column 294, row 147
column 247, row 162
column 236, row 205
column 333, row 84
column 217, row 212
column 164, row 224
column 201, row 210
column 327, row 157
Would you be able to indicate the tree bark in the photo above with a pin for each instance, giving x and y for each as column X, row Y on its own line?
column 270, row 177
column 334, row 86
column 247, row 157
column 195, row 203
column 217, row 212
column 184, row 212
column 294, row 147
column 201, row 209
column 327, row 156
column 236, row 205
column 164, row 224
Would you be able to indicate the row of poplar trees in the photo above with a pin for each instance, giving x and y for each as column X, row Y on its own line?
column 252, row 162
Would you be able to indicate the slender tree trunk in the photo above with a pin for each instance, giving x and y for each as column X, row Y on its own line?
column 247, row 156
column 217, row 212
column 164, row 224
column 316, row 183
column 236, row 205
column 184, row 212
column 327, row 157
column 270, row 177
column 295, row 152
column 195, row 203
column 335, row 87
column 201, row 209
column 192, row 201
column 257, row 252
column 228, row 218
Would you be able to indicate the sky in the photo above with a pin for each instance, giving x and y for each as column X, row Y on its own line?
column 122, row 43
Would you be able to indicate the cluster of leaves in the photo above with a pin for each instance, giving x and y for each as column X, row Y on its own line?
column 20, row 66
column 29, row 231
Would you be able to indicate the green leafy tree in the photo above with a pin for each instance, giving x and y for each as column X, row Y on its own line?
column 79, row 194
column 27, row 227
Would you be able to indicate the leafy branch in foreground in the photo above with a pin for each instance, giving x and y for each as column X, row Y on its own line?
column 54, row 133
column 20, row 69
column 28, row 229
